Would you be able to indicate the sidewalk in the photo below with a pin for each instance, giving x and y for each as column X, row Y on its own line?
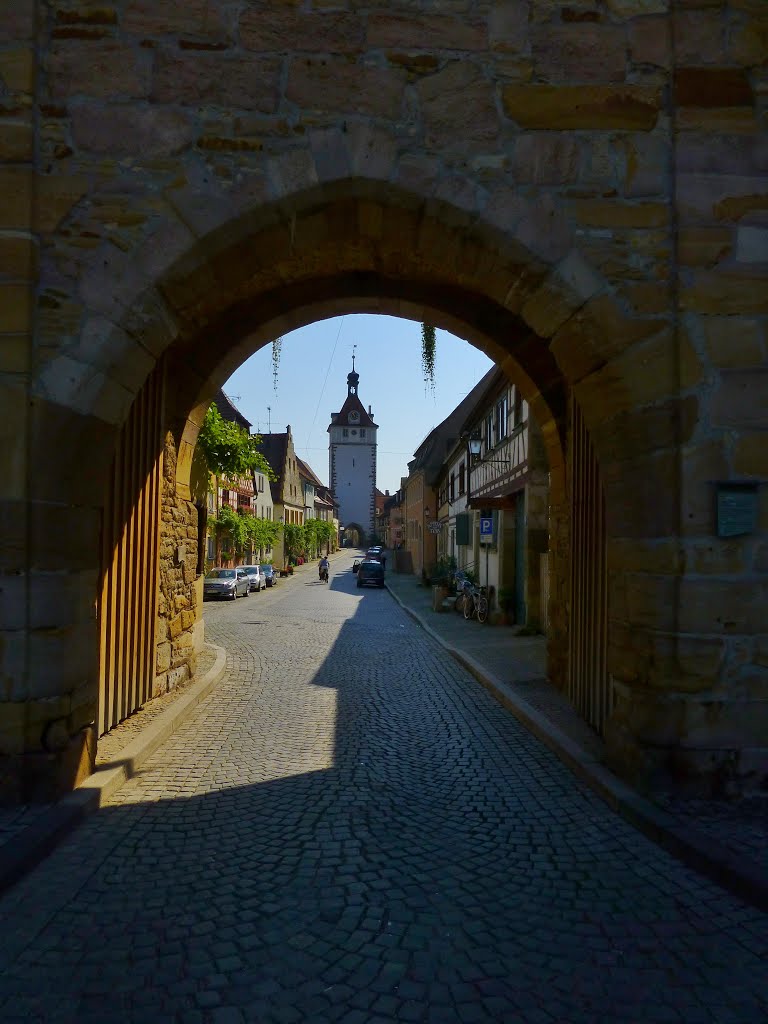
column 728, row 841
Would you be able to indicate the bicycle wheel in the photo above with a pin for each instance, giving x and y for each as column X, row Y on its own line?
column 469, row 607
column 459, row 603
column 482, row 609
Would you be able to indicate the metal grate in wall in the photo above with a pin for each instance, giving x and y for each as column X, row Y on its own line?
column 589, row 684
column 130, row 560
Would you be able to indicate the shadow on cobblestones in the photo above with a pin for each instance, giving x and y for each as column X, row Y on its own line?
column 364, row 835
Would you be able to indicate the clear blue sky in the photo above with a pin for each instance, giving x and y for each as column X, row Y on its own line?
column 312, row 383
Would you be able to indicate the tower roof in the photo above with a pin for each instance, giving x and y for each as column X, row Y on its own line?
column 353, row 412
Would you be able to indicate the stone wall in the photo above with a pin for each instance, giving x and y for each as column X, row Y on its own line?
column 178, row 610
column 578, row 188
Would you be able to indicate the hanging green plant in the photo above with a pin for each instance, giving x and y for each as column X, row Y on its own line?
column 277, row 345
column 428, row 348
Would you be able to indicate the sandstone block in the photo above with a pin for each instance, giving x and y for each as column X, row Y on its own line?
column 17, row 20
column 245, row 83
column 724, row 293
column 97, row 68
column 288, row 29
column 725, row 724
column 712, row 87
column 126, row 130
column 733, row 342
column 347, row 89
column 434, row 31
column 651, row 511
column 17, row 68
column 751, row 244
column 740, row 399
column 16, row 186
column 586, row 52
column 647, row 160
column 649, row 40
column 636, row 8
column 16, row 141
column 546, row 159
column 56, row 195
column 163, row 658
column 457, row 103
column 704, row 246
column 168, row 17
column 508, row 26
column 13, row 717
column 702, row 465
column 750, row 454
column 601, row 107
column 175, row 626
column 59, row 659
column 16, row 304
column 18, row 255
column 612, row 213
column 372, row 150
column 176, row 676
column 722, row 606
column 700, row 36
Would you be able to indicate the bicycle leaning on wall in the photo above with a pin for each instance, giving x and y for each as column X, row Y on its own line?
column 476, row 603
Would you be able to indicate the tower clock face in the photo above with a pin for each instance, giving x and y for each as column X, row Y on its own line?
column 354, row 417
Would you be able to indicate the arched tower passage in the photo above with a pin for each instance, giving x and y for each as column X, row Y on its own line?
column 553, row 326
column 618, row 163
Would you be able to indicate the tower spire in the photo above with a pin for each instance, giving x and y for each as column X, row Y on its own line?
column 354, row 377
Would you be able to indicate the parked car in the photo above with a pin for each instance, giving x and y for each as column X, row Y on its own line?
column 255, row 575
column 371, row 571
column 374, row 553
column 270, row 576
column 231, row 583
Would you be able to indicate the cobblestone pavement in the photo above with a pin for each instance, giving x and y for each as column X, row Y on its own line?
column 350, row 829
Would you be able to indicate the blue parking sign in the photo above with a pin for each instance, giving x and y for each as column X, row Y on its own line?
column 486, row 526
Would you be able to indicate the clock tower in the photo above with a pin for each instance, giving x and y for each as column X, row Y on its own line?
column 352, row 464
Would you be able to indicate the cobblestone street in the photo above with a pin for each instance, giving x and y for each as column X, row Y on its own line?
column 351, row 829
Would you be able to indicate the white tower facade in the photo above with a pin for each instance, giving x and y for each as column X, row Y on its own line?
column 352, row 462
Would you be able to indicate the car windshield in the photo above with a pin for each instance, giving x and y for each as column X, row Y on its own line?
column 266, row 568
column 221, row 574
column 252, row 570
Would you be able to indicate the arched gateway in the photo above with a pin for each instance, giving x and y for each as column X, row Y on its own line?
column 577, row 190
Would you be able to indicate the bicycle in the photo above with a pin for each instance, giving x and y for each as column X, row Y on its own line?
column 463, row 588
column 476, row 604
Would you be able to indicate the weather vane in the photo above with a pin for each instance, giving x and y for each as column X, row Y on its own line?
column 353, row 357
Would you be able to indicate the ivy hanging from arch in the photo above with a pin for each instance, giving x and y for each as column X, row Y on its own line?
column 428, row 348
column 277, row 346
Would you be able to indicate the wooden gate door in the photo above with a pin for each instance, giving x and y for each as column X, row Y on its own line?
column 130, row 560
column 589, row 685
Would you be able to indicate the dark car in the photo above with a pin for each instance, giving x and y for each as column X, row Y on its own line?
column 270, row 575
column 370, row 571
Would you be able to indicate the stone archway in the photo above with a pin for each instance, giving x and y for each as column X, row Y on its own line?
column 177, row 177
column 355, row 535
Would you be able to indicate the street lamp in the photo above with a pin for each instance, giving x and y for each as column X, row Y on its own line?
column 474, row 445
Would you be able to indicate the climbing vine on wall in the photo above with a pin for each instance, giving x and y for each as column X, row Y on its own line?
column 428, row 348
column 277, row 346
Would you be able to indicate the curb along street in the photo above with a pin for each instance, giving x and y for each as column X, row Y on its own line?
column 700, row 851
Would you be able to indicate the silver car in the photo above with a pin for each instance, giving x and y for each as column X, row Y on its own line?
column 231, row 583
column 255, row 575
